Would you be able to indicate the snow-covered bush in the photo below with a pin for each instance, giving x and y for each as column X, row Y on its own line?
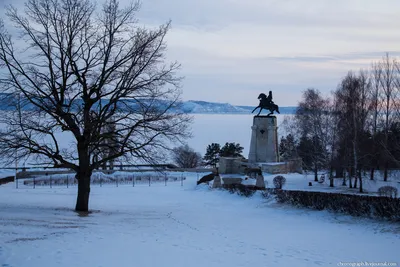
column 268, row 193
column 279, row 181
column 240, row 189
column 387, row 191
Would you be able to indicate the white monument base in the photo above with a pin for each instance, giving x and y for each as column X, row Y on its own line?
column 264, row 140
column 217, row 182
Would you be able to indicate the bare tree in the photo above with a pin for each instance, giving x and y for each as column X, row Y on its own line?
column 75, row 67
column 376, row 104
column 311, row 120
column 186, row 157
column 353, row 108
column 332, row 137
column 388, row 94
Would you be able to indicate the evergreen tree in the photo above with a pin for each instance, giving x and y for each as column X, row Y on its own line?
column 282, row 147
column 212, row 154
column 305, row 150
column 287, row 148
column 231, row 150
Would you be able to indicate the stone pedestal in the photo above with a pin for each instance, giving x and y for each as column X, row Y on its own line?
column 264, row 140
column 217, row 182
column 231, row 165
column 260, row 183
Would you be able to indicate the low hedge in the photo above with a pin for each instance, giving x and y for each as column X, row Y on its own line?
column 355, row 205
column 242, row 190
column 6, row 180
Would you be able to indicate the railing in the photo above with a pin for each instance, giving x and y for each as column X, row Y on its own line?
column 102, row 179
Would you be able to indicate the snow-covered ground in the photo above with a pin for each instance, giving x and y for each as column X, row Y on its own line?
column 294, row 181
column 178, row 225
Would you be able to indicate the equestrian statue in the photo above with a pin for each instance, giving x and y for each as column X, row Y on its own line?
column 266, row 103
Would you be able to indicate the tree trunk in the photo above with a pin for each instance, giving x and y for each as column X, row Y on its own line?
column 82, row 201
column 385, row 173
column 344, row 179
column 83, row 176
column 355, row 180
column 315, row 173
column 372, row 174
column 350, row 182
column 331, row 184
column 361, row 183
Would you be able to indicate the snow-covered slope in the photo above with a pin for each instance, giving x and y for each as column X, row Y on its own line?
column 7, row 102
column 192, row 106
column 204, row 107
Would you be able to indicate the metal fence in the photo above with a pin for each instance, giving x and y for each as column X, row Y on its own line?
column 101, row 179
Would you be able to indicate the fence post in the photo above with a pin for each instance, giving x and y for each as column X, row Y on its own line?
column 165, row 178
column 16, row 172
column 34, row 182
column 181, row 179
column 149, row 180
column 133, row 180
column 67, row 180
column 116, row 180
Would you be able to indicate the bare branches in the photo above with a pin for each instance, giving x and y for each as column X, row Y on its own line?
column 82, row 72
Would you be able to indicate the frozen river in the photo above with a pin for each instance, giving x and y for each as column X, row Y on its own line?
column 221, row 128
column 206, row 129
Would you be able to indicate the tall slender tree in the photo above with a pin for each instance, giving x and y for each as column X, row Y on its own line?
column 376, row 104
column 312, row 124
column 353, row 111
column 388, row 82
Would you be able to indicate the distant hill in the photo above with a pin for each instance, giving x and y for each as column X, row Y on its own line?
column 7, row 102
column 204, row 107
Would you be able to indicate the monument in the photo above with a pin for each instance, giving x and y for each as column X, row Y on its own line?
column 264, row 135
column 264, row 150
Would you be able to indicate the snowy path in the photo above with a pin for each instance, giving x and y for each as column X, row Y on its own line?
column 180, row 226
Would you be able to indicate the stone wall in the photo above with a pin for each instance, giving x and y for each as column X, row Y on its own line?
column 282, row 167
column 231, row 165
column 238, row 165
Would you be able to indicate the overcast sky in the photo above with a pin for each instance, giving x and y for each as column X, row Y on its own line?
column 232, row 50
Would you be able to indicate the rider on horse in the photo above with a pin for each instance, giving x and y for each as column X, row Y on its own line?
column 269, row 99
column 266, row 103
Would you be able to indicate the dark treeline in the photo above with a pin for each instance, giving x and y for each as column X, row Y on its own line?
column 354, row 131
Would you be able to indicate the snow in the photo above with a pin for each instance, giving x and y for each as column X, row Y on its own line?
column 178, row 225
column 6, row 172
column 295, row 181
column 204, row 107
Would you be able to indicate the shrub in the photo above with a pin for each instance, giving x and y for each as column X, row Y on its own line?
column 240, row 189
column 6, row 180
column 279, row 181
column 387, row 191
column 355, row 205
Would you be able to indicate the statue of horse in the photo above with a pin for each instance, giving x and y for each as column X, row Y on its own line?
column 266, row 103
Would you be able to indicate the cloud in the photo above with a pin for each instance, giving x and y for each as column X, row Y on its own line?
column 233, row 49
